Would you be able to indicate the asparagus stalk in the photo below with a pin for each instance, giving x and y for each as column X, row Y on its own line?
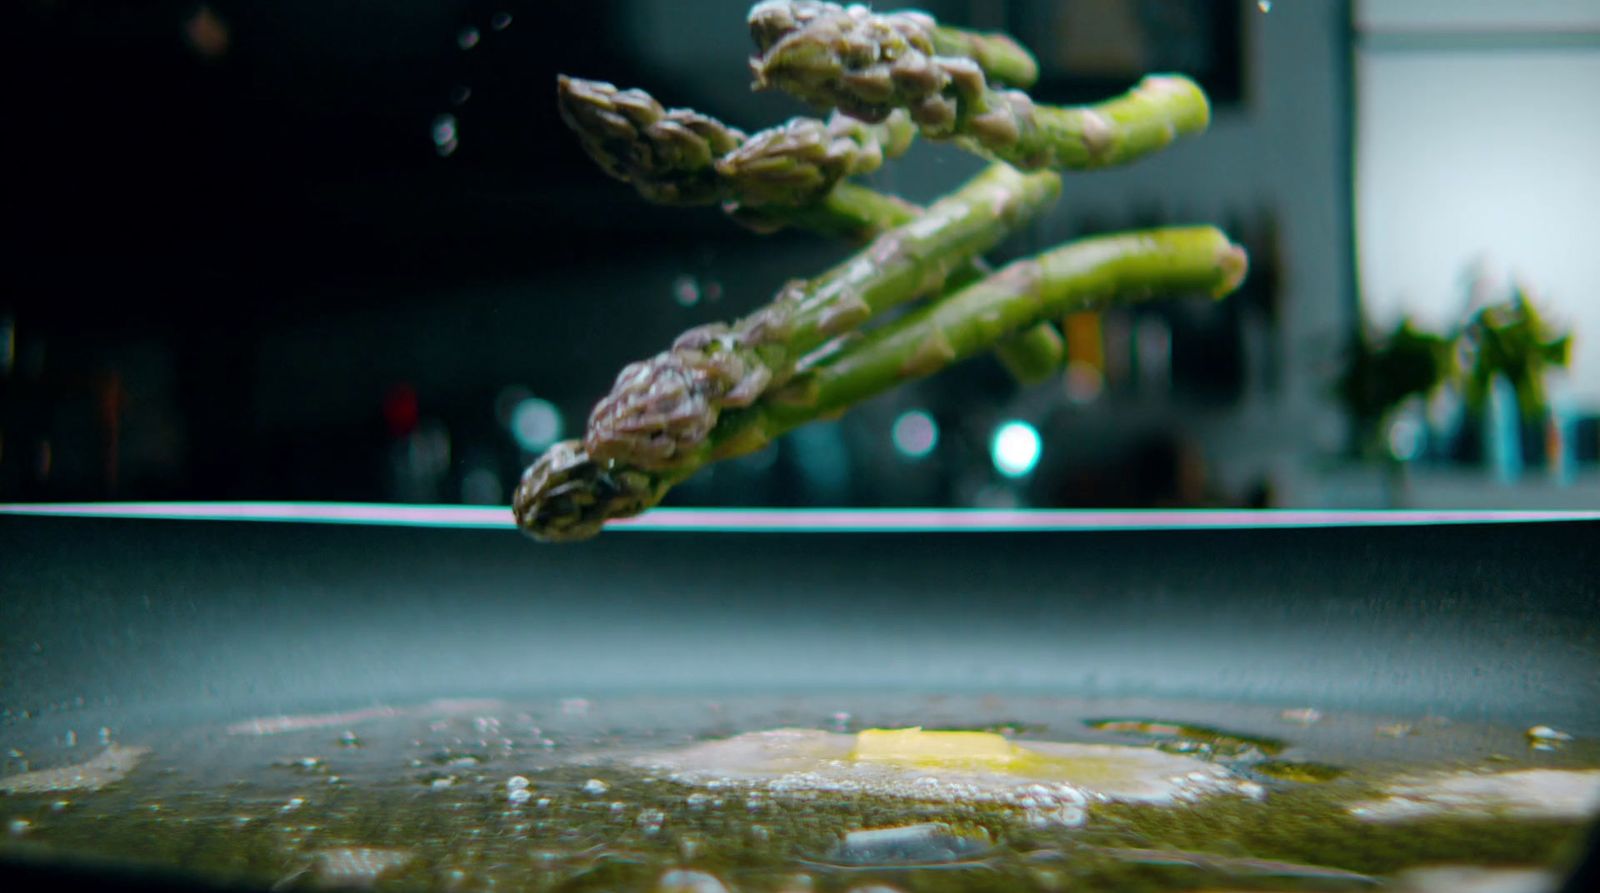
column 662, row 409
column 787, row 175
column 569, row 493
column 1079, row 275
column 869, row 65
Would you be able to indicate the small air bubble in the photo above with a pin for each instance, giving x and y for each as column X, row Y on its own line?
column 467, row 38
column 1264, row 5
column 460, row 95
column 501, row 21
column 686, row 290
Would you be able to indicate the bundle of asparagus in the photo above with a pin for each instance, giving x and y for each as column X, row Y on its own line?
column 726, row 390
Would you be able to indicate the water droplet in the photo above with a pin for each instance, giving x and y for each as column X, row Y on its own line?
column 680, row 880
column 444, row 134
column 651, row 820
column 595, row 786
column 519, row 796
column 459, row 95
column 1264, row 5
column 516, row 782
column 468, row 38
column 501, row 21
column 685, row 290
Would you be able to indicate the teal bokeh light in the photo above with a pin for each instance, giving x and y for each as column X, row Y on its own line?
column 1015, row 449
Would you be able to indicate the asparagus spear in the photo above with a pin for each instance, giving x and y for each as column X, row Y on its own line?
column 569, row 494
column 793, row 174
column 666, row 154
column 788, row 175
column 663, row 408
column 869, row 65
column 997, row 55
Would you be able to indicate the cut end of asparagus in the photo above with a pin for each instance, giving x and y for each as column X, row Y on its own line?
column 1033, row 355
column 1235, row 266
column 1190, row 109
column 566, row 495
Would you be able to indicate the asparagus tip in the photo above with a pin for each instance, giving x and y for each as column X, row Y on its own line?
column 567, row 496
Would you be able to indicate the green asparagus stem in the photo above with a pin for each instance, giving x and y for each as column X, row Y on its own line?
column 1088, row 273
column 569, row 494
column 662, row 409
column 867, row 66
column 789, row 175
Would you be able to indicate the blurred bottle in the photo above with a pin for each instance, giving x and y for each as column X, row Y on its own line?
column 1561, row 430
column 1503, row 431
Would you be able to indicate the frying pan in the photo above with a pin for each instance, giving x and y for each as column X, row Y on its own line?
column 143, row 617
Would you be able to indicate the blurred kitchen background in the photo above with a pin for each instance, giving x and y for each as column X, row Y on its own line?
column 319, row 250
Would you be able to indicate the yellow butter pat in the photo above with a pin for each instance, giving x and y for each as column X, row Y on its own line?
column 915, row 747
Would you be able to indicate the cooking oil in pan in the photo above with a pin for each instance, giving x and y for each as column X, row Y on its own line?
column 848, row 793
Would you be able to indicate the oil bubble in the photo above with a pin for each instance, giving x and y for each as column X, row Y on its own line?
column 445, row 136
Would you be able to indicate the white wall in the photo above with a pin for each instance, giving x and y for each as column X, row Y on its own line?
column 1481, row 150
